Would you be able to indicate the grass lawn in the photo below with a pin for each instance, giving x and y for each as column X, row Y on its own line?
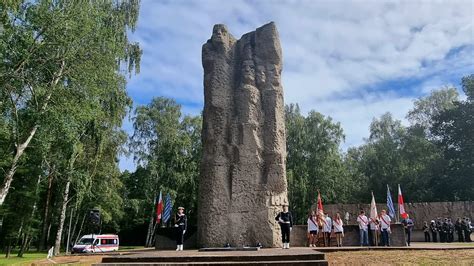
column 402, row 257
column 25, row 260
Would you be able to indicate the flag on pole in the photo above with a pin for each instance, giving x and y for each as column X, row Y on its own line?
column 391, row 209
column 159, row 208
column 320, row 209
column 168, row 207
column 373, row 209
column 401, row 206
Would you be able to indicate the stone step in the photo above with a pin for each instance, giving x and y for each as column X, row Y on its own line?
column 229, row 263
column 211, row 259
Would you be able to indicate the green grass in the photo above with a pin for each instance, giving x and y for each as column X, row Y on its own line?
column 25, row 260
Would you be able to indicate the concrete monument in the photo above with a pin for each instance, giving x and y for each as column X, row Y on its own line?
column 243, row 180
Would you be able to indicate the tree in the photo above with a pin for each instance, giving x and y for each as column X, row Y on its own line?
column 54, row 51
column 453, row 130
column 313, row 161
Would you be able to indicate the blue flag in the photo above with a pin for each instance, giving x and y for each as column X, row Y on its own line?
column 391, row 209
column 168, row 207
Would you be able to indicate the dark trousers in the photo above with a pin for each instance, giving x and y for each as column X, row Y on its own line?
column 179, row 235
column 408, row 235
column 467, row 235
column 442, row 237
column 460, row 236
column 427, row 237
column 327, row 239
column 434, row 236
column 385, row 238
column 285, row 233
column 450, row 237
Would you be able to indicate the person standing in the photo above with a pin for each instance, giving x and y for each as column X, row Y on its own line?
column 338, row 229
column 444, row 228
column 327, row 229
column 467, row 229
column 439, row 228
column 450, row 231
column 385, row 228
column 434, row 231
column 312, row 229
column 458, row 228
column 180, row 223
column 363, row 222
column 374, row 226
column 408, row 226
column 426, row 231
column 285, row 220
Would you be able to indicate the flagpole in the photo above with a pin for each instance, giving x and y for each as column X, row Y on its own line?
column 398, row 200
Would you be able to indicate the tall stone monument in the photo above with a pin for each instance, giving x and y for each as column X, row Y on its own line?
column 243, row 178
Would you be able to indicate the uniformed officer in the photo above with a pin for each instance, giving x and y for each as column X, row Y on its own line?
column 434, row 231
column 467, row 229
column 180, row 223
column 458, row 228
column 426, row 231
column 450, row 231
column 444, row 228
column 439, row 228
column 285, row 220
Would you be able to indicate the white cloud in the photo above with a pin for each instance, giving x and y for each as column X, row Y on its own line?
column 330, row 48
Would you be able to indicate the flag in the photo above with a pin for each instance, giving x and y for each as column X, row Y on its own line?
column 320, row 209
column 391, row 209
column 159, row 208
column 373, row 209
column 401, row 206
column 168, row 206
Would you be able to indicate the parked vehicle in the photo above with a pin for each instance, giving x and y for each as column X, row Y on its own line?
column 96, row 243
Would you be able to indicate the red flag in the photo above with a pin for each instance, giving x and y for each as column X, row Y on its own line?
column 320, row 204
column 401, row 206
column 159, row 208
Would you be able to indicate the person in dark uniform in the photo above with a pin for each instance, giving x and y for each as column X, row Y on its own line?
column 458, row 228
column 180, row 223
column 434, row 231
column 439, row 227
column 450, row 231
column 467, row 229
column 444, row 228
column 426, row 231
column 285, row 220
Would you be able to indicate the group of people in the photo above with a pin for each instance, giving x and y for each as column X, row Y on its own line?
column 320, row 227
column 444, row 230
column 374, row 231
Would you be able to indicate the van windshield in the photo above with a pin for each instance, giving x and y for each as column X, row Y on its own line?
column 85, row 241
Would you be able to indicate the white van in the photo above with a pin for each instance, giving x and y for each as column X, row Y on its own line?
column 96, row 243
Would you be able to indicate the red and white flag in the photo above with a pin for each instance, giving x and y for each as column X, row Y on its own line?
column 320, row 209
column 401, row 206
column 159, row 208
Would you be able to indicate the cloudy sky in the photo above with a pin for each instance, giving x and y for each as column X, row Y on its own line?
column 351, row 60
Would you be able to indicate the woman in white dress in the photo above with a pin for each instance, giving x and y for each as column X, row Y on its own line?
column 338, row 229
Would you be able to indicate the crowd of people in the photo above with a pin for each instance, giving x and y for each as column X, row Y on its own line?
column 444, row 230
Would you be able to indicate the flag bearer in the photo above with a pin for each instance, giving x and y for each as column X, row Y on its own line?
column 285, row 220
column 408, row 226
column 363, row 222
column 327, row 229
column 180, row 223
column 385, row 228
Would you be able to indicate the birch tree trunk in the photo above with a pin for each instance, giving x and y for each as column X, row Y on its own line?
column 57, row 244
column 44, row 231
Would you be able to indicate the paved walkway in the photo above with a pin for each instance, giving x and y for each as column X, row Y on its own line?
column 414, row 246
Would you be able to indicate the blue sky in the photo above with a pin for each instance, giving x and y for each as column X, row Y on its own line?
column 351, row 60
